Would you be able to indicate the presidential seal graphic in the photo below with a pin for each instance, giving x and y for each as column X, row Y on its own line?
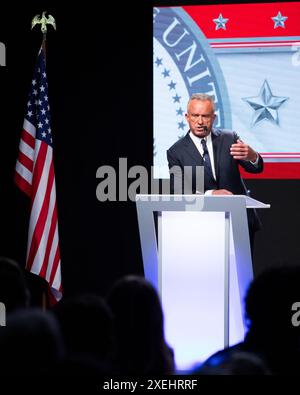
column 183, row 64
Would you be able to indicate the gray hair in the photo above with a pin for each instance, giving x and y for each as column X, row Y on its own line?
column 202, row 97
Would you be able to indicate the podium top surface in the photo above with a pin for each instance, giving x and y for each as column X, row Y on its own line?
column 250, row 202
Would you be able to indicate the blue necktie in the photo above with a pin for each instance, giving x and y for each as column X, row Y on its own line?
column 209, row 181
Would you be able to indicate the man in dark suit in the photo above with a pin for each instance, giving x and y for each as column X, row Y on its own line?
column 218, row 151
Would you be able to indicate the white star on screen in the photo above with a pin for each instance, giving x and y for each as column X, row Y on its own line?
column 220, row 22
column 279, row 20
column 265, row 105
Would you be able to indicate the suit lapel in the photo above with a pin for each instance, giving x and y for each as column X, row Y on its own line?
column 215, row 136
column 192, row 149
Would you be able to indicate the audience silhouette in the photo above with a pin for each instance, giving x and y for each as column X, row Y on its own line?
column 14, row 292
column 31, row 344
column 237, row 363
column 141, row 346
column 86, row 324
column 271, row 335
column 124, row 333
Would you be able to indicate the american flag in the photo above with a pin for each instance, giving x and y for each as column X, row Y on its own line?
column 34, row 175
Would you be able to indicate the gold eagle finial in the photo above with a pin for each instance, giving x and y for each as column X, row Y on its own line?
column 43, row 21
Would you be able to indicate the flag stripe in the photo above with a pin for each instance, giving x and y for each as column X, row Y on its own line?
column 44, row 239
column 24, row 173
column 53, row 269
column 40, row 172
column 48, row 234
column 29, row 128
column 25, row 161
column 26, row 149
column 54, row 278
column 37, row 194
column 22, row 184
column 28, row 139
column 52, row 254
column 39, row 226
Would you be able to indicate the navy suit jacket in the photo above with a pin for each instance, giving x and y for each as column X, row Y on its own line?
column 184, row 153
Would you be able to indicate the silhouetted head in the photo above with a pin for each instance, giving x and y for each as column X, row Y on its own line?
column 233, row 363
column 270, row 298
column 269, row 310
column 31, row 343
column 139, row 325
column 14, row 292
column 87, row 325
column 136, row 306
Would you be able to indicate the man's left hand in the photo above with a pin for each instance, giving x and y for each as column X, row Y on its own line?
column 242, row 151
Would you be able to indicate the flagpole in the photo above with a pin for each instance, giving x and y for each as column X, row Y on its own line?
column 44, row 44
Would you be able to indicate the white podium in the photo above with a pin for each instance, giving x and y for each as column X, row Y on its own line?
column 199, row 261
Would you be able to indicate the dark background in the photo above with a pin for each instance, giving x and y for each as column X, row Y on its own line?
column 99, row 66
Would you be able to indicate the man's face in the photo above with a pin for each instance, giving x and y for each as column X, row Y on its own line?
column 200, row 117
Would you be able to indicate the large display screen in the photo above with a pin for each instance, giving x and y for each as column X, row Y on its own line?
column 248, row 57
